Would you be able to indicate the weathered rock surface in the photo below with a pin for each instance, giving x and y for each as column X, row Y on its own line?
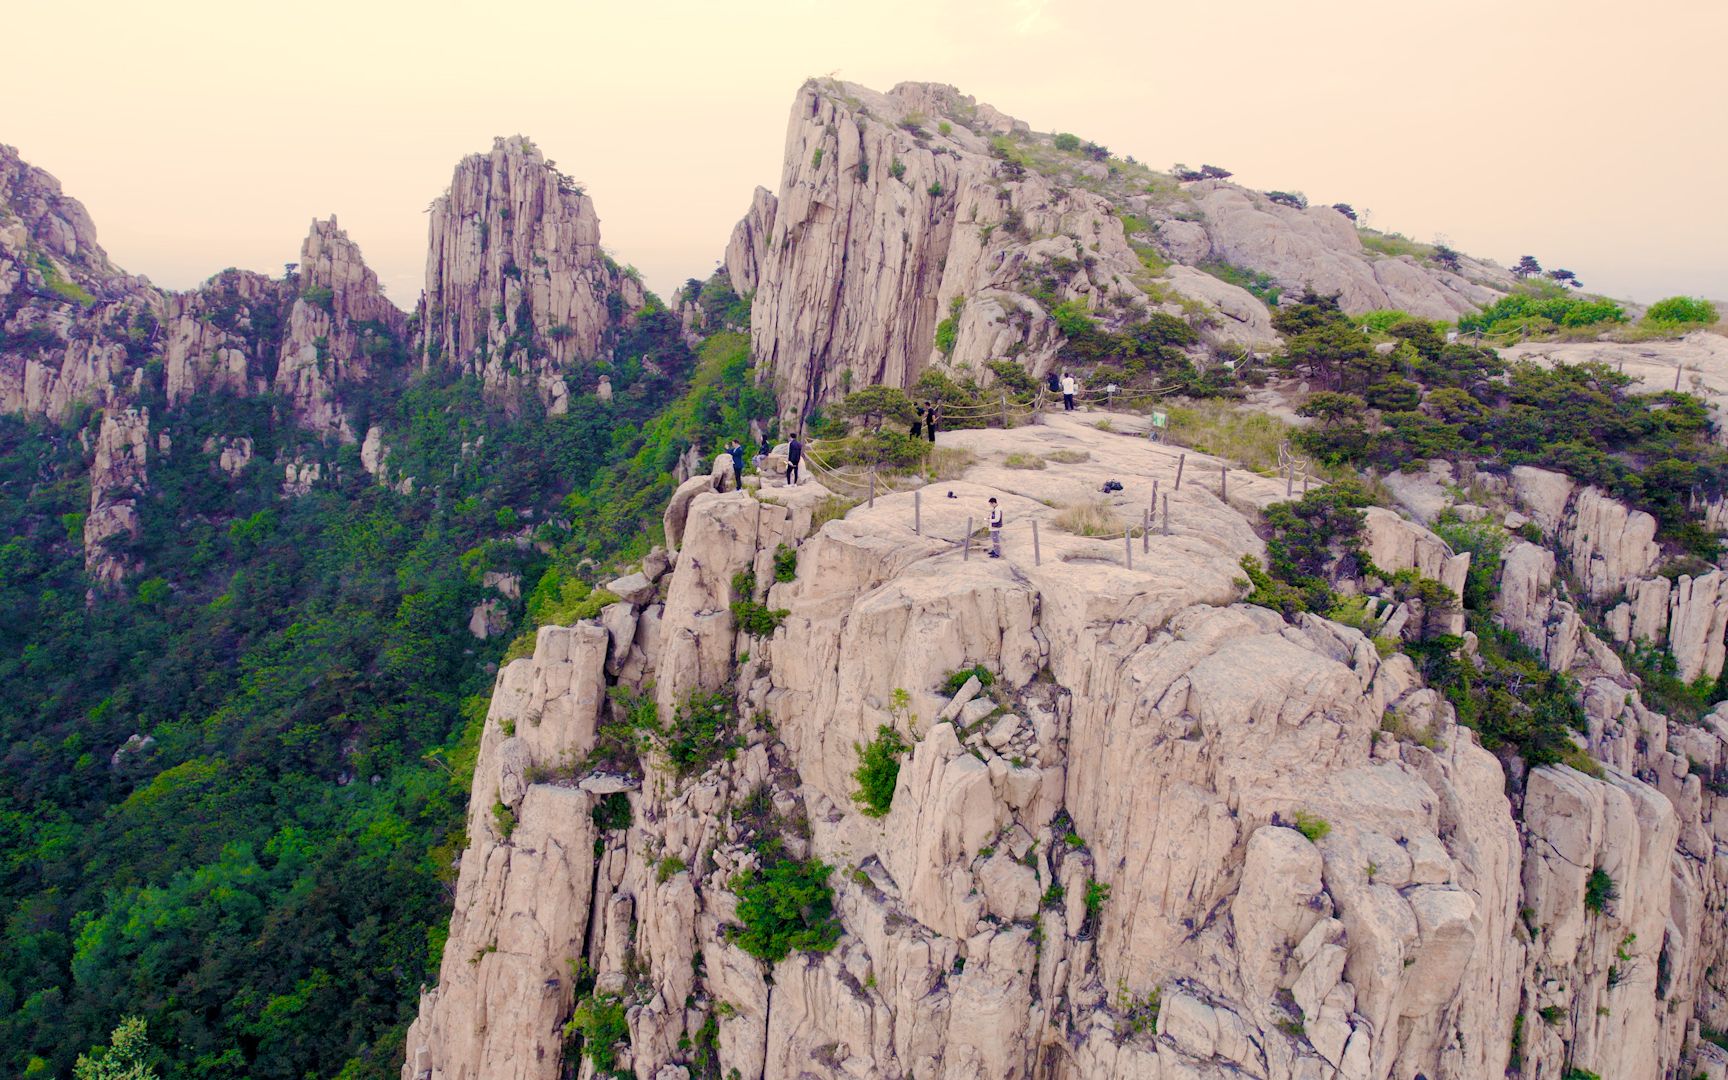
column 340, row 320
column 117, row 477
column 1319, row 248
column 517, row 288
column 1119, row 748
column 898, row 211
column 892, row 216
column 1613, row 553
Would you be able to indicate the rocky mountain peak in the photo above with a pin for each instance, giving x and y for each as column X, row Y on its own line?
column 330, row 260
column 517, row 286
column 339, row 323
column 47, row 235
column 922, row 229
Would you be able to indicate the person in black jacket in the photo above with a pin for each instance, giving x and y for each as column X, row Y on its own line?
column 932, row 416
column 736, row 449
column 794, row 454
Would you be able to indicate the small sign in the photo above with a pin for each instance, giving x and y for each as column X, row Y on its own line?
column 1159, row 419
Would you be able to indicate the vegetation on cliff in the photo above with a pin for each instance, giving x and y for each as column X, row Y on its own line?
column 266, row 884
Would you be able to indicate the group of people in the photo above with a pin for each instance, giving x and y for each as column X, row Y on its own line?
column 925, row 423
column 730, row 476
column 1065, row 385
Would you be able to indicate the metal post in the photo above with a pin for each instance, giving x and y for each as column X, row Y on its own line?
column 966, row 552
column 1037, row 554
column 1678, row 371
column 1128, row 546
column 1145, row 531
column 918, row 511
column 1004, row 408
column 1289, row 479
column 1154, row 494
column 1224, row 482
column 872, row 488
column 1181, row 460
column 1166, row 515
column 1304, row 483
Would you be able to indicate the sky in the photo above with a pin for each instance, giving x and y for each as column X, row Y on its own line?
column 202, row 135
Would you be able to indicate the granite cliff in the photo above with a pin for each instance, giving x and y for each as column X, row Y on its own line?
column 897, row 211
column 1123, row 858
column 517, row 287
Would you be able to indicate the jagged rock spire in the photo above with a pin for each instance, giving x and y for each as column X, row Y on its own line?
column 517, row 286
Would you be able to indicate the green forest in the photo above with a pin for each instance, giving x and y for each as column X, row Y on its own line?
column 267, row 884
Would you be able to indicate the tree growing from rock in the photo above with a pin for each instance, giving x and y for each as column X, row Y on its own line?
column 1565, row 277
column 1527, row 266
column 874, row 405
column 1445, row 257
column 1346, row 209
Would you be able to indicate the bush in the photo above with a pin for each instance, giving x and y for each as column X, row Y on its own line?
column 1266, row 592
column 957, row 679
column 1073, row 318
column 1599, row 891
column 878, row 770
column 1023, row 461
column 504, row 818
column 1541, row 314
column 322, row 297
column 1096, row 894
column 1681, row 309
column 703, row 730
column 751, row 616
column 1314, row 827
column 788, row 906
column 1066, row 141
column 611, row 812
column 668, row 868
column 785, row 563
column 600, row 1022
column 1381, row 320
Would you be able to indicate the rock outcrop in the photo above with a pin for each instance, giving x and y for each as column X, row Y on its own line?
column 338, row 324
column 117, row 477
column 1319, row 248
column 749, row 248
column 1611, row 551
column 518, row 290
column 892, row 216
column 899, row 212
column 1120, row 819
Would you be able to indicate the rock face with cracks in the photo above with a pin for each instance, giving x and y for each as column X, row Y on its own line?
column 517, row 288
column 1170, row 838
column 898, row 212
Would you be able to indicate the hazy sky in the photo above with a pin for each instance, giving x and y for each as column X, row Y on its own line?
column 203, row 134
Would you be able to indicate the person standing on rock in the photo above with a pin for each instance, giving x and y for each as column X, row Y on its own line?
column 736, row 449
column 932, row 417
column 1068, row 389
column 794, row 454
column 917, row 424
column 995, row 529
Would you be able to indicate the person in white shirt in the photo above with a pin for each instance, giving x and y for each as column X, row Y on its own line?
column 995, row 529
column 1068, row 389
